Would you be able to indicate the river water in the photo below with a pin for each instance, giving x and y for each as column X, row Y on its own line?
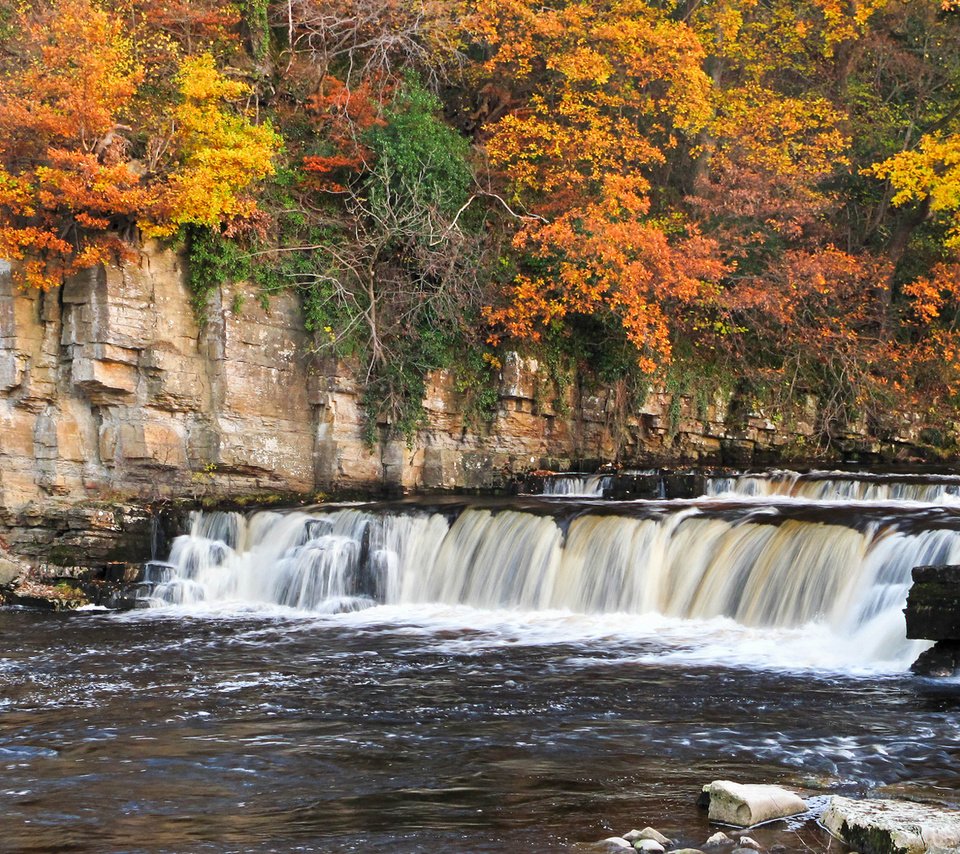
column 482, row 677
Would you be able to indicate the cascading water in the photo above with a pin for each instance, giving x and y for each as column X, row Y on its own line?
column 763, row 565
column 492, row 675
column 838, row 486
column 577, row 485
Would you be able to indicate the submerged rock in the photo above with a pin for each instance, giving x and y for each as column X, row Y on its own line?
column 892, row 827
column 745, row 805
column 941, row 660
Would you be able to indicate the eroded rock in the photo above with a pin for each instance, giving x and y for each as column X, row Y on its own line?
column 745, row 805
column 892, row 827
column 654, row 834
column 615, row 842
column 10, row 571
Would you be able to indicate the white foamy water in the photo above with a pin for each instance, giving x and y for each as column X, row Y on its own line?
column 746, row 584
column 838, row 486
column 582, row 485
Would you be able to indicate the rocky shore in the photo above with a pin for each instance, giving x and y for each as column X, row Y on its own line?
column 746, row 811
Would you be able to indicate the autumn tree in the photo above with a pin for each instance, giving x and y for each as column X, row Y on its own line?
column 68, row 190
column 73, row 187
column 602, row 92
column 367, row 40
column 217, row 154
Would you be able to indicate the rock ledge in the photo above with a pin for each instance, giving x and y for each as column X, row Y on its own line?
column 893, row 827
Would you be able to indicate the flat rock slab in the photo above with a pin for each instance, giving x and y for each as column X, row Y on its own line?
column 892, row 827
column 744, row 805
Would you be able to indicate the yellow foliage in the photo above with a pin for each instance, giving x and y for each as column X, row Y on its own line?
column 221, row 153
column 931, row 174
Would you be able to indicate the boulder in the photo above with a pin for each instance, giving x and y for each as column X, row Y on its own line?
column 10, row 571
column 651, row 846
column 892, row 827
column 933, row 613
column 749, row 842
column 650, row 833
column 745, row 805
column 614, row 842
column 717, row 840
column 941, row 660
column 933, row 603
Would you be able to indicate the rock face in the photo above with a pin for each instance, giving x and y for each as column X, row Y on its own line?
column 111, row 392
column 744, row 805
column 892, row 827
column 933, row 613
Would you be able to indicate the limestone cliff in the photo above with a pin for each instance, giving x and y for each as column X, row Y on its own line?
column 112, row 395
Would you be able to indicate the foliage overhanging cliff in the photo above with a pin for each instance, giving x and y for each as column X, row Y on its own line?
column 727, row 193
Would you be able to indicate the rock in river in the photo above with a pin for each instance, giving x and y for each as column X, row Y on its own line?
column 744, row 805
column 892, row 827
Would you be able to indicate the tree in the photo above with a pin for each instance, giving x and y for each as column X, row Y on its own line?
column 395, row 275
column 929, row 176
column 72, row 191
column 217, row 154
column 603, row 92
column 372, row 40
column 67, row 189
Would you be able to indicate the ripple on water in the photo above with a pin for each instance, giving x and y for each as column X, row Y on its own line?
column 431, row 729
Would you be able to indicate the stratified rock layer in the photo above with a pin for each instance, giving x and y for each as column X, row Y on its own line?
column 111, row 392
column 933, row 605
column 933, row 613
column 892, row 827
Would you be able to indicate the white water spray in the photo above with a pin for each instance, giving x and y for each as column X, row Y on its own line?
column 766, row 570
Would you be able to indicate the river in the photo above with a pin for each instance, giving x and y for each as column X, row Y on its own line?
column 484, row 676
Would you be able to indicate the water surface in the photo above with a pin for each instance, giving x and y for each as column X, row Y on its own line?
column 432, row 728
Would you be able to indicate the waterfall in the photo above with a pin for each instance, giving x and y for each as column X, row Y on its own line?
column 782, row 566
column 581, row 485
column 839, row 486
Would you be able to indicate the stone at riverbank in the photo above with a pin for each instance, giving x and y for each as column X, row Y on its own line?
column 933, row 613
column 744, row 805
column 10, row 570
column 892, row 827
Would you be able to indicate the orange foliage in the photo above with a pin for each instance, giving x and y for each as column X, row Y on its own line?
column 606, row 256
column 618, row 85
column 344, row 114
column 70, row 194
column 66, row 196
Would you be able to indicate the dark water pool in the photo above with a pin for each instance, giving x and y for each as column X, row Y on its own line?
column 277, row 732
